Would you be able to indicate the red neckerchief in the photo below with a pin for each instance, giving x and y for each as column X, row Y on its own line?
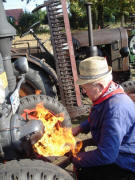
column 111, row 89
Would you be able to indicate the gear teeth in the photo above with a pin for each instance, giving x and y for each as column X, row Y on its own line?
column 61, row 53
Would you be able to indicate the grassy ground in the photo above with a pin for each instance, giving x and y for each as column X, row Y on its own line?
column 32, row 42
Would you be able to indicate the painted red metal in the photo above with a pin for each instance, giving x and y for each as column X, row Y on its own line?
column 71, row 51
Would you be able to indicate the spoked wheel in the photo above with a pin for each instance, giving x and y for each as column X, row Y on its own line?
column 129, row 88
column 27, row 169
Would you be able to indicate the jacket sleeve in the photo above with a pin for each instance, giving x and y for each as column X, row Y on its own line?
column 85, row 126
column 111, row 135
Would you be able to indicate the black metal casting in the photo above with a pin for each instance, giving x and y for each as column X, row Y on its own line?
column 16, row 133
column 6, row 34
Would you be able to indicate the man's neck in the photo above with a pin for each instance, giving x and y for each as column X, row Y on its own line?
column 101, row 92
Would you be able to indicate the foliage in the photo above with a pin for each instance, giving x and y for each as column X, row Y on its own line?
column 77, row 14
column 77, row 10
column 25, row 21
column 42, row 15
column 102, row 10
column 121, row 8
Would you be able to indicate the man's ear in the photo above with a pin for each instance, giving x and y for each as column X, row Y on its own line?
column 101, row 87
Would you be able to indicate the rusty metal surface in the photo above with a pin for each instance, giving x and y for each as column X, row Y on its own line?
column 71, row 52
column 59, row 41
column 114, row 40
column 124, row 37
column 64, row 56
column 103, row 36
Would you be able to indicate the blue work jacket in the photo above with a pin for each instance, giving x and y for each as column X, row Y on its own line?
column 112, row 125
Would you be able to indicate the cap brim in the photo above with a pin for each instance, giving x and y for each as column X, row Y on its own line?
column 85, row 81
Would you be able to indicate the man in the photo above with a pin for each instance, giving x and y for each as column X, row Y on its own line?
column 111, row 123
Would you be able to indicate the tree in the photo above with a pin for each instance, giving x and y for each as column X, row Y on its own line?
column 121, row 8
column 77, row 13
column 100, row 10
column 25, row 21
column 42, row 15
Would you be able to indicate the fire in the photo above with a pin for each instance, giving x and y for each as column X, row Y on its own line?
column 37, row 91
column 56, row 140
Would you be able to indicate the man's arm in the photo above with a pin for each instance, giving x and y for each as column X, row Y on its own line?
column 82, row 128
column 112, row 132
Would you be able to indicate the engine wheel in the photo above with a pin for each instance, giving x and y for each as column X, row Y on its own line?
column 129, row 88
column 50, row 103
column 27, row 169
column 29, row 102
column 37, row 79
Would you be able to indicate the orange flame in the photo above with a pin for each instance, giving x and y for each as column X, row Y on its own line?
column 37, row 91
column 56, row 140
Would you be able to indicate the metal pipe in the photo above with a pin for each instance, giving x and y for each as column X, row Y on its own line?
column 91, row 50
column 90, row 29
column 7, row 31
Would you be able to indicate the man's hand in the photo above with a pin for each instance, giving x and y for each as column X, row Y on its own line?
column 76, row 130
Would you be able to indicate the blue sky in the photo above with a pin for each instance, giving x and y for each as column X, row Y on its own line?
column 16, row 4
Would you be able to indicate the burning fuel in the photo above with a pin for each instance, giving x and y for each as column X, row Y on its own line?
column 56, row 140
column 38, row 91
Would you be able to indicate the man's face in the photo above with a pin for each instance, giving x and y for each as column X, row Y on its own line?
column 92, row 91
